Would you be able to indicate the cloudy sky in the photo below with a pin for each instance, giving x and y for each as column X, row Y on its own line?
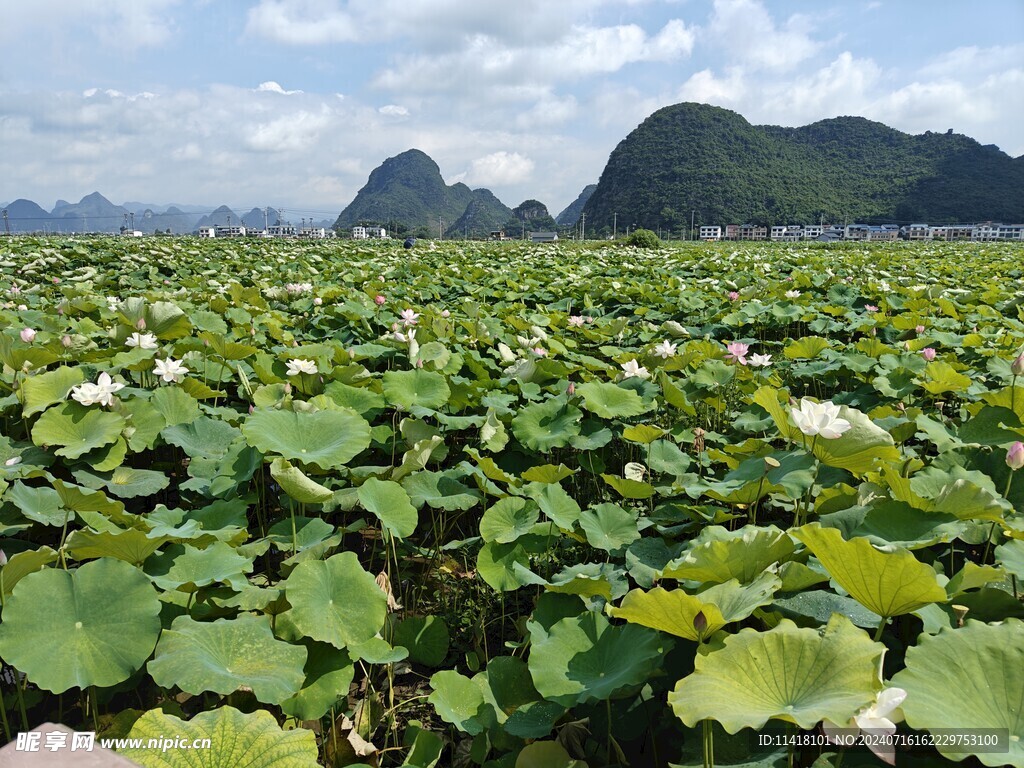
column 292, row 103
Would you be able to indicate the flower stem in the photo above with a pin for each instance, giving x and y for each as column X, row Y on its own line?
column 881, row 628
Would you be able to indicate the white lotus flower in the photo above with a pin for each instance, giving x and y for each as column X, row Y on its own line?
column 405, row 338
column 100, row 393
column 878, row 719
column 633, row 368
column 576, row 321
column 141, row 340
column 792, row 294
column 819, row 419
column 760, row 361
column 408, row 317
column 169, row 369
column 665, row 350
column 295, row 367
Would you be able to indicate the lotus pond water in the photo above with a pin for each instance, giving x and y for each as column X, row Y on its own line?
column 513, row 506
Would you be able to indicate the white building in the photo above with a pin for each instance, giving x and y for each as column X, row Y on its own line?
column 787, row 234
column 812, row 232
column 1011, row 232
column 363, row 233
column 207, row 231
column 232, row 231
column 710, row 233
column 919, row 232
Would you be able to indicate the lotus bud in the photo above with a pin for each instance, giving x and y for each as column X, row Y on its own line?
column 445, row 313
column 733, row 295
column 700, row 623
column 287, row 387
column 141, row 324
column 13, row 461
column 251, row 409
column 1017, row 366
column 206, row 342
column 1015, row 456
column 419, row 363
column 919, row 329
column 252, row 331
column 379, row 300
column 318, row 301
column 60, row 310
column 56, row 281
column 28, row 335
column 22, row 308
column 3, row 557
column 66, row 341
column 928, row 353
column 571, row 389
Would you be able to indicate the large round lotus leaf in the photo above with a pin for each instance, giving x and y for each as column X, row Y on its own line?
column 22, row 564
column 225, row 655
column 335, row 600
column 676, row 612
column 254, row 741
column 888, row 583
column 556, row 503
column 609, row 526
column 39, row 504
column 132, row 546
column 95, row 625
column 417, row 387
column 297, row 484
column 857, row 450
column 457, row 700
column 77, row 429
column 129, row 483
column 507, row 686
column 801, row 676
column 203, row 437
column 188, row 568
column 719, row 555
column 390, row 503
column 584, row 658
column 547, row 425
column 40, row 392
column 988, row 661
column 1011, row 557
column 508, row 519
column 329, row 672
column 439, row 491
column 325, row 438
column 610, row 401
column 426, row 637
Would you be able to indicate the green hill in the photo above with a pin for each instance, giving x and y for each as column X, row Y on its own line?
column 571, row 215
column 408, row 189
column 695, row 157
column 484, row 214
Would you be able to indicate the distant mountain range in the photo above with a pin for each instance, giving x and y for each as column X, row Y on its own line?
column 688, row 162
column 95, row 213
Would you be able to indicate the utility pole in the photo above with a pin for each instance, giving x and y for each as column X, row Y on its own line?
column 266, row 219
column 615, row 226
column 692, row 214
column 7, row 224
column 132, row 215
column 439, row 235
column 583, row 227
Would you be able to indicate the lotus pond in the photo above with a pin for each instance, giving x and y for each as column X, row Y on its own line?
column 514, row 506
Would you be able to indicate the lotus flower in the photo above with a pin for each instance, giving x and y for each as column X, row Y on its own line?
column 539, row 351
column 295, row 367
column 819, row 419
column 1015, row 456
column 1017, row 366
column 101, row 393
column 870, row 308
column 733, row 295
column 317, row 302
column 28, row 335
column 878, row 719
column 665, row 350
column 379, row 300
column 792, row 294
column 576, row 321
column 405, row 338
column 445, row 313
column 928, row 353
column 141, row 340
column 633, row 368
column 170, row 369
column 760, row 361
column 919, row 329
column 409, row 317
column 737, row 352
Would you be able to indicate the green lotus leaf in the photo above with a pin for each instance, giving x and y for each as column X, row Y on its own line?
column 642, row 433
column 819, row 605
column 378, row 651
column 857, row 450
column 584, row 658
column 942, row 377
column 457, row 700
column 609, row 526
column 22, row 564
column 390, row 503
column 104, row 617
column 806, row 347
column 327, row 439
column 76, row 429
column 329, row 673
column 505, row 567
column 800, row 676
column 130, row 483
column 1011, row 557
column 335, row 600
column 225, row 655
column 254, row 741
column 887, row 583
column 547, row 473
column 175, row 405
column 132, row 546
column 629, row 489
column 41, row 505
column 202, row 437
column 426, row 747
column 426, row 637
column 187, row 568
column 610, row 401
column 557, row 504
column 507, row 687
column 42, row 391
column 439, row 491
column 508, row 519
column 986, row 662
column 297, row 485
column 546, row 754
column 417, row 387
column 544, row 426
column 162, row 318
column 719, row 555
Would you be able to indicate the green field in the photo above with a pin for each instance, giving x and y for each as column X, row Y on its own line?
column 511, row 505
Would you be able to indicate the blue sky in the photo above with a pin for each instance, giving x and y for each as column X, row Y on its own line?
column 291, row 103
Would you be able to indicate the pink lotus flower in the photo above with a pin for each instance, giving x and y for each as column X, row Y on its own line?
column 576, row 321
column 571, row 389
column 539, row 351
column 1017, row 366
column 928, row 354
column 737, row 352
column 408, row 317
column 28, row 335
column 1015, row 456
column 733, row 295
column 870, row 308
column 919, row 329
column 317, row 302
column 379, row 300
column 445, row 313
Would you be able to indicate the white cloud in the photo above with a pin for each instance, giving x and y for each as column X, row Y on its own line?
column 498, row 169
column 288, row 133
column 121, row 24
column 394, row 110
column 746, row 30
column 272, row 87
